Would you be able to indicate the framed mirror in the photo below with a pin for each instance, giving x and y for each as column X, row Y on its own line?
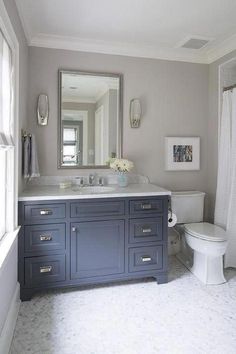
column 90, row 119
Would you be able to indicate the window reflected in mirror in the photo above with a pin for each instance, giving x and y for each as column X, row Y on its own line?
column 90, row 119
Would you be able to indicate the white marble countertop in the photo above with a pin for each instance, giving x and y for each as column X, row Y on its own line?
column 40, row 192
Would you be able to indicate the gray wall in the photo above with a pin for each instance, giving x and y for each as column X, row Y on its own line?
column 8, row 273
column 212, row 149
column 174, row 98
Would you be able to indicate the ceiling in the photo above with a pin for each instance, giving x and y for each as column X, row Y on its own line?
column 86, row 88
column 141, row 28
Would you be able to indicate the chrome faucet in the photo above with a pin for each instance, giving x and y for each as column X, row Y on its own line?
column 91, row 179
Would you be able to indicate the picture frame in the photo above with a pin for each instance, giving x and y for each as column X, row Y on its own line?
column 182, row 153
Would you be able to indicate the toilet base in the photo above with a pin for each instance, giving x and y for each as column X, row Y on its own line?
column 208, row 269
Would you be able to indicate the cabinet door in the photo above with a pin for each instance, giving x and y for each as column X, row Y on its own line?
column 97, row 248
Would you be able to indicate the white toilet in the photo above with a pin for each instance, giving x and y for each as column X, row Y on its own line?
column 202, row 244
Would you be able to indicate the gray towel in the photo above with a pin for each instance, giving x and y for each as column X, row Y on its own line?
column 30, row 158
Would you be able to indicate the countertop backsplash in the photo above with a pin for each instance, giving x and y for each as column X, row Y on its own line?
column 109, row 178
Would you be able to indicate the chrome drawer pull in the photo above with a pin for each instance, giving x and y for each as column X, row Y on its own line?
column 146, row 231
column 146, row 206
column 146, row 259
column 74, row 229
column 45, row 212
column 45, row 238
column 45, row 269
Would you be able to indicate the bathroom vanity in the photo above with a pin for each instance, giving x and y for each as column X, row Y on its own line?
column 71, row 238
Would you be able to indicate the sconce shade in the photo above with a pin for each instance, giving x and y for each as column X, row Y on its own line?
column 135, row 113
column 43, row 109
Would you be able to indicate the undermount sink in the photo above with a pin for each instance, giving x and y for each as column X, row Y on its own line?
column 94, row 189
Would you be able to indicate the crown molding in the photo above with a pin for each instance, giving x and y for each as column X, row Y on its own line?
column 205, row 55
column 118, row 48
column 24, row 24
column 218, row 51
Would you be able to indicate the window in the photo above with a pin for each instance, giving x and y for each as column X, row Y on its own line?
column 7, row 149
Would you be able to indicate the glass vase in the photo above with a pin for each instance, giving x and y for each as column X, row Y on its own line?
column 122, row 179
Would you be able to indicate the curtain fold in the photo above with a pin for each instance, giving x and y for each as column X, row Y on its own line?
column 225, row 208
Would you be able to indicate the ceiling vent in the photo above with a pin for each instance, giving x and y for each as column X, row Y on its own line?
column 195, row 43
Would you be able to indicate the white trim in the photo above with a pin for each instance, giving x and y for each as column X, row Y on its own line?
column 26, row 27
column 5, row 245
column 9, row 326
column 225, row 47
column 117, row 48
column 204, row 55
column 9, row 33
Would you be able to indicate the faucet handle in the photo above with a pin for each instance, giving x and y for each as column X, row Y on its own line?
column 79, row 181
column 101, row 181
column 91, row 179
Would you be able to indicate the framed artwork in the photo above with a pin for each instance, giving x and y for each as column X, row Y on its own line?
column 182, row 153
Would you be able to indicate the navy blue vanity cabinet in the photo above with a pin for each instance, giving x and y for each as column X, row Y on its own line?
column 68, row 243
column 97, row 248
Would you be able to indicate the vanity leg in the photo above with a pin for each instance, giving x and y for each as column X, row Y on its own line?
column 162, row 278
column 26, row 294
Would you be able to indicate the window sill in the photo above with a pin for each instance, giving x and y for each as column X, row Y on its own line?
column 6, row 244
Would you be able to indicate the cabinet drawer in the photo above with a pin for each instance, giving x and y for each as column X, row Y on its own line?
column 44, row 212
column 43, row 270
column 145, row 258
column 145, row 230
column 96, row 208
column 146, row 206
column 46, row 237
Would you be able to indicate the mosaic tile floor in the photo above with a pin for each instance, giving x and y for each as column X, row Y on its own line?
column 181, row 317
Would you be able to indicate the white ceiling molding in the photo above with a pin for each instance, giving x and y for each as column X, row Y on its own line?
column 204, row 56
column 26, row 27
column 116, row 48
column 225, row 47
column 217, row 47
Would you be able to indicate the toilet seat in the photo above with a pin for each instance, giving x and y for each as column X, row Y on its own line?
column 206, row 231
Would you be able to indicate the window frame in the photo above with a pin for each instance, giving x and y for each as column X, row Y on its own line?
column 12, row 187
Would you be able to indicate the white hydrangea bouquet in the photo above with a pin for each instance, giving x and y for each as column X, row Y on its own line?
column 122, row 166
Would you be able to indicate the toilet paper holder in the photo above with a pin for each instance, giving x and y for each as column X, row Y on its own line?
column 172, row 219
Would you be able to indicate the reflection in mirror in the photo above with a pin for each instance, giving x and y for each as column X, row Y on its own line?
column 90, row 119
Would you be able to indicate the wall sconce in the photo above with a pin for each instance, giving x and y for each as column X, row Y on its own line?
column 43, row 109
column 135, row 113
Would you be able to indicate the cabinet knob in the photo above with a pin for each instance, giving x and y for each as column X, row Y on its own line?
column 73, row 229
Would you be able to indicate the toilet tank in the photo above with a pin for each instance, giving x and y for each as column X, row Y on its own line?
column 188, row 206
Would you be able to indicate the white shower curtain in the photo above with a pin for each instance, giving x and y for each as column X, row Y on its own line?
column 225, row 208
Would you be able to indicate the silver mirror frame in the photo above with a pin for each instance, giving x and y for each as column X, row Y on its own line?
column 120, row 117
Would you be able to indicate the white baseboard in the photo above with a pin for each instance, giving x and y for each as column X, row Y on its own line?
column 9, row 326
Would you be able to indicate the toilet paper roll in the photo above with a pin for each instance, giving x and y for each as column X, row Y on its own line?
column 172, row 219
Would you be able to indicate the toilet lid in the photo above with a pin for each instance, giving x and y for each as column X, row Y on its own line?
column 206, row 231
